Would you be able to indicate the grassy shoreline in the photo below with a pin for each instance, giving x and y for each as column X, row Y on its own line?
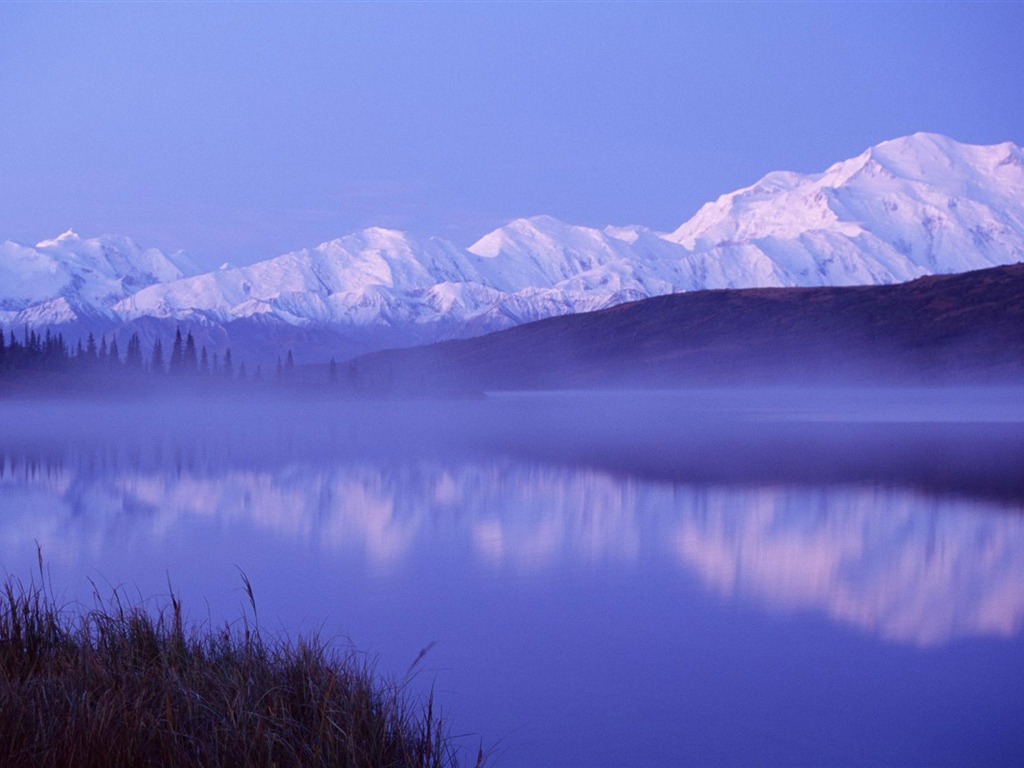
column 122, row 685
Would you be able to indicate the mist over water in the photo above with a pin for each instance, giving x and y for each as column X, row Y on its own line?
column 717, row 577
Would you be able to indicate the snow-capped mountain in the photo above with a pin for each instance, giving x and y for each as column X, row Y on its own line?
column 66, row 279
column 360, row 279
column 916, row 205
column 907, row 207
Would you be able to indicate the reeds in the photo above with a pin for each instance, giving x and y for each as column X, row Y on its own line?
column 120, row 685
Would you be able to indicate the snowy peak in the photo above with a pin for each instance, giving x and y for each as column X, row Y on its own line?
column 86, row 276
column 542, row 251
column 68, row 236
column 533, row 231
column 935, row 159
column 915, row 205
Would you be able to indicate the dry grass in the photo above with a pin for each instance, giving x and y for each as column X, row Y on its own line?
column 119, row 685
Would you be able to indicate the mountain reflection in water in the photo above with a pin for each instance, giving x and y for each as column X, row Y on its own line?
column 894, row 562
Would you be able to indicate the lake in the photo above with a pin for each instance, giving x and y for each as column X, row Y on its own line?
column 777, row 577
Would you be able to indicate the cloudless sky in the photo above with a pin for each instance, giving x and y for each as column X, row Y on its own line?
column 238, row 131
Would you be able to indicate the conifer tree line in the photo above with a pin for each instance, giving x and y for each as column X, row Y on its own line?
column 49, row 352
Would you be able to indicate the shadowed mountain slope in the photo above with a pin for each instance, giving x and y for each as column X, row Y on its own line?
column 938, row 328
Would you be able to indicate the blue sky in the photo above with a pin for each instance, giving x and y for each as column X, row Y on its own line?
column 240, row 131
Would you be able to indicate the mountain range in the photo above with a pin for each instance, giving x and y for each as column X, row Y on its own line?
column 917, row 205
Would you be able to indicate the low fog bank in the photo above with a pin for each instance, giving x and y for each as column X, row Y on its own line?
column 968, row 440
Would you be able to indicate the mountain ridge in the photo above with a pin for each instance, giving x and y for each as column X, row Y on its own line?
column 920, row 204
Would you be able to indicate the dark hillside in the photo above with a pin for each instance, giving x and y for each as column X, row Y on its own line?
column 946, row 328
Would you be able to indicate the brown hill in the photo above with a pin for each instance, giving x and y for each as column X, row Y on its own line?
column 945, row 328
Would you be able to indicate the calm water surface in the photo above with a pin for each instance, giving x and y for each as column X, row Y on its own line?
column 645, row 579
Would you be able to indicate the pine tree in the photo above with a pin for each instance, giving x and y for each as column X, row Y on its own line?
column 103, row 350
column 204, row 362
column 228, row 370
column 113, row 356
column 333, row 374
column 189, row 360
column 157, row 361
column 133, row 355
column 177, row 353
column 58, row 353
column 90, row 349
column 12, row 351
